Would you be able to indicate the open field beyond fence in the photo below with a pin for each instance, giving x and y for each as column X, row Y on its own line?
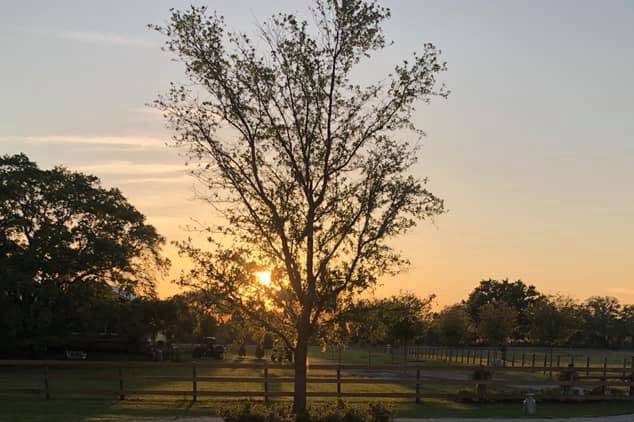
column 266, row 381
column 112, row 390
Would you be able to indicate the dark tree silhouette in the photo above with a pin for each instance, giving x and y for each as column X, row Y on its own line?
column 309, row 169
column 60, row 229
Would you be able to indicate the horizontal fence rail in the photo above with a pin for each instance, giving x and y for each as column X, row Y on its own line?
column 120, row 377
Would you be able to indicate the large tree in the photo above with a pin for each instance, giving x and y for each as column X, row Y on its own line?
column 309, row 169
column 60, row 229
column 517, row 294
column 552, row 320
column 496, row 325
column 601, row 320
column 454, row 326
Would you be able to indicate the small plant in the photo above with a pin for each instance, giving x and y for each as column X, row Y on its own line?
column 482, row 374
column 281, row 354
column 379, row 413
column 259, row 351
column 242, row 351
column 375, row 412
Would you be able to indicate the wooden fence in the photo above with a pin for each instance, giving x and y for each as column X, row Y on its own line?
column 512, row 358
column 413, row 378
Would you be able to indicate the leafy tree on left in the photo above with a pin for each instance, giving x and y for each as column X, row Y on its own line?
column 60, row 230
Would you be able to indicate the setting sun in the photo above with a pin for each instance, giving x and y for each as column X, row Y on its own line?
column 264, row 277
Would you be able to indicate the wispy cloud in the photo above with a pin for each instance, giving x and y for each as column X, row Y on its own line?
column 116, row 142
column 104, row 38
column 114, row 168
column 184, row 179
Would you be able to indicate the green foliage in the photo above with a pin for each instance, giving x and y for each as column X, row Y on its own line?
column 267, row 341
column 453, row 326
column 552, row 320
column 310, row 170
column 69, row 249
column 242, row 350
column 517, row 295
column 374, row 412
column 396, row 320
column 601, row 319
column 482, row 374
column 259, row 351
column 497, row 323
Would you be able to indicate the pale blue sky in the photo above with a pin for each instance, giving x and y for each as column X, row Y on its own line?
column 532, row 151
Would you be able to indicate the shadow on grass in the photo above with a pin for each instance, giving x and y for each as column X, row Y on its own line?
column 99, row 410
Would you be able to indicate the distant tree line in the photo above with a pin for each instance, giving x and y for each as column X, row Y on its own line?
column 78, row 269
column 78, row 265
column 496, row 313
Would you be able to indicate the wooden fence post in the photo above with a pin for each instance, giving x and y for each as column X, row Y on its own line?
column 631, row 392
column 47, row 394
column 523, row 356
column 121, row 394
column 605, row 368
column 339, row 401
column 194, row 383
column 587, row 365
column 488, row 357
column 513, row 359
column 533, row 361
column 417, row 385
column 550, row 375
column 546, row 362
column 266, row 382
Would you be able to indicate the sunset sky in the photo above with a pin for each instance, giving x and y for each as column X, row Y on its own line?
column 533, row 151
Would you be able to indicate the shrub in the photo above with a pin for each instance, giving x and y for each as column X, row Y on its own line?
column 379, row 413
column 375, row 412
column 267, row 341
column 482, row 374
column 259, row 351
column 242, row 351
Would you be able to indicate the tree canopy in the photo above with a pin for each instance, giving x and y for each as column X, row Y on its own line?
column 60, row 229
column 517, row 294
column 310, row 169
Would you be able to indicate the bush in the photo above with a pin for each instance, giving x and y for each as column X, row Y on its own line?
column 482, row 374
column 281, row 354
column 267, row 341
column 242, row 351
column 259, row 351
column 379, row 413
column 375, row 412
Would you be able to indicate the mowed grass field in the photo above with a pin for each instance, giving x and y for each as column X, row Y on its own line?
column 66, row 405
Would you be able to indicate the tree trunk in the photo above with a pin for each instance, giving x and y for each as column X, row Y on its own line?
column 301, row 354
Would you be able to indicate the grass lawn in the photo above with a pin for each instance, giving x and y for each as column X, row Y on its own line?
column 84, row 410
column 64, row 407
